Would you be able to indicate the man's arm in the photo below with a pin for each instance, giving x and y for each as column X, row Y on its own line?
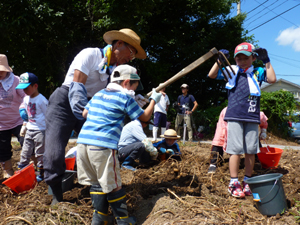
column 194, row 108
column 79, row 77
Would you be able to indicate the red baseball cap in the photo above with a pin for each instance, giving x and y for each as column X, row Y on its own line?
column 244, row 48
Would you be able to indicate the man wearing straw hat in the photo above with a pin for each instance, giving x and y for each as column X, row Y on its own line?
column 88, row 73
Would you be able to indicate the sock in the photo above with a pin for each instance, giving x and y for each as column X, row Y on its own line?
column 246, row 178
column 233, row 179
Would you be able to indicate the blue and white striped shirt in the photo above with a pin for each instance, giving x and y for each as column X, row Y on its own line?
column 105, row 119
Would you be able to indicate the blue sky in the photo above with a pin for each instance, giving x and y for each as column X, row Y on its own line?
column 279, row 34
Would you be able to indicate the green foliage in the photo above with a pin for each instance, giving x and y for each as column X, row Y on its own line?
column 297, row 214
column 43, row 36
column 209, row 118
column 276, row 106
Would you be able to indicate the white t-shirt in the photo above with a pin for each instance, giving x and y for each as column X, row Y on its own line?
column 161, row 106
column 36, row 110
column 89, row 61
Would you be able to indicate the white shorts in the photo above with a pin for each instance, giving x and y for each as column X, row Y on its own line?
column 98, row 165
column 242, row 138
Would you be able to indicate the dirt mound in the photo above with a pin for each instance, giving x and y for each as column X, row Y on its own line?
column 168, row 192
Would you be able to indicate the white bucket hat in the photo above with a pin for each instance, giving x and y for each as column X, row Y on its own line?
column 129, row 36
column 4, row 64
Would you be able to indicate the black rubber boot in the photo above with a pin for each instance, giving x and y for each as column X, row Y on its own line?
column 117, row 201
column 56, row 193
column 100, row 204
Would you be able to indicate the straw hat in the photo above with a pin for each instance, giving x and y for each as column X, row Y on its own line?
column 171, row 134
column 4, row 64
column 128, row 36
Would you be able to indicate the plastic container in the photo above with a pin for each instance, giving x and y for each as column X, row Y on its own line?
column 67, row 182
column 22, row 180
column 269, row 159
column 70, row 163
column 268, row 193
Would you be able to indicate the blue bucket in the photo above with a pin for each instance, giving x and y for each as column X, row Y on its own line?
column 268, row 193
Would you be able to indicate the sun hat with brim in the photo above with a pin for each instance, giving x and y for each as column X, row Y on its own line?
column 170, row 134
column 26, row 79
column 4, row 64
column 124, row 72
column 244, row 48
column 128, row 36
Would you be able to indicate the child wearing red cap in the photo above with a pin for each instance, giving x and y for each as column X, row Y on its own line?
column 243, row 112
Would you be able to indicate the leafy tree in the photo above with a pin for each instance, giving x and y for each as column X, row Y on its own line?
column 276, row 106
column 43, row 36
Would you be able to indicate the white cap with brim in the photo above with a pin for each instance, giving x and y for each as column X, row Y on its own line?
column 128, row 36
column 126, row 72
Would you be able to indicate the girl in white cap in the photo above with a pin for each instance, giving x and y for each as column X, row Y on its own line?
column 10, row 120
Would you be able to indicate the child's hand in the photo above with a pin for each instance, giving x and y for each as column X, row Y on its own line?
column 155, row 96
column 23, row 114
column 225, row 52
column 262, row 55
column 170, row 151
column 263, row 134
column 162, row 150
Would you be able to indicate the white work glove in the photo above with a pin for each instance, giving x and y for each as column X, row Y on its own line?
column 263, row 134
column 155, row 96
column 23, row 131
column 141, row 101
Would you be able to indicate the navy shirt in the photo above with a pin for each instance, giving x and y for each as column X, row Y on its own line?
column 241, row 106
column 186, row 100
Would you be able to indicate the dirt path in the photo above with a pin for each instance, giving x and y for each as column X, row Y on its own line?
column 168, row 192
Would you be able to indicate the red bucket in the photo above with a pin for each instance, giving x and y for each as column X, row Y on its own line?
column 269, row 159
column 70, row 163
column 22, row 180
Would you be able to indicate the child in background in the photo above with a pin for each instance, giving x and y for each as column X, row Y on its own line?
column 220, row 139
column 243, row 110
column 168, row 146
column 97, row 158
column 10, row 120
column 160, row 114
column 35, row 105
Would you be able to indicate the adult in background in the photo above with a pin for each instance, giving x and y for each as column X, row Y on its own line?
column 188, row 105
column 10, row 120
column 132, row 145
column 160, row 114
column 89, row 73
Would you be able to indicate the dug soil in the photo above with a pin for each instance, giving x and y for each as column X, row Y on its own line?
column 167, row 192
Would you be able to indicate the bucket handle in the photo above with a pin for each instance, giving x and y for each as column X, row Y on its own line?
column 259, row 200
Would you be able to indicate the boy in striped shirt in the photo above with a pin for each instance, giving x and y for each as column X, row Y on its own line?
column 97, row 160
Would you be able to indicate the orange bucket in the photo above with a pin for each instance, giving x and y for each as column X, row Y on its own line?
column 269, row 159
column 22, row 180
column 70, row 163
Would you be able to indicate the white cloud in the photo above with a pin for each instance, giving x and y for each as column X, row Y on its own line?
column 290, row 36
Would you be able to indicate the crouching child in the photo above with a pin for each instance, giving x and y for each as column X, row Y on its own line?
column 168, row 146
